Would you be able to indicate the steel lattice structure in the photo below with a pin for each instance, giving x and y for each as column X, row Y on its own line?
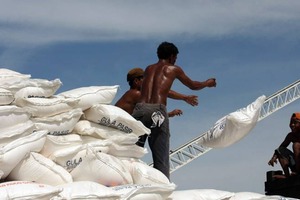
column 193, row 149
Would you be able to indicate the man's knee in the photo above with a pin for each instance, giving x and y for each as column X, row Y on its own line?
column 283, row 152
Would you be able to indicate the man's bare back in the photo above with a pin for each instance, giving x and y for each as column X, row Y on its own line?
column 159, row 77
column 156, row 85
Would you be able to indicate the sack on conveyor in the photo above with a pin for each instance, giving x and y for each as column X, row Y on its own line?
column 14, row 152
column 6, row 97
column 145, row 191
column 88, row 128
column 115, row 117
column 60, row 124
column 234, row 126
column 86, row 190
column 37, row 168
column 102, row 168
column 44, row 107
column 11, row 115
column 27, row 190
column 89, row 96
column 14, row 132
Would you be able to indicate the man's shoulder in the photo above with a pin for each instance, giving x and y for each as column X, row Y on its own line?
column 132, row 92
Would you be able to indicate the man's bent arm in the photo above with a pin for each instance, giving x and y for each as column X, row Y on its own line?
column 190, row 99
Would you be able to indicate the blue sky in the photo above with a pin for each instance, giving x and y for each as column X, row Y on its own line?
column 252, row 48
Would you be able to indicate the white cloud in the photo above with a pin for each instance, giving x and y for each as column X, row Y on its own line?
column 38, row 22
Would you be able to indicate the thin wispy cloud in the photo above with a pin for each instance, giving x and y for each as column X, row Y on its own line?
column 38, row 22
column 250, row 47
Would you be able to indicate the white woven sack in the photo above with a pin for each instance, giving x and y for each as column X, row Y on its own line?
column 36, row 88
column 43, row 107
column 102, row 145
column 12, row 153
column 12, row 115
column 37, row 92
column 102, row 168
column 131, row 150
column 92, row 95
column 9, row 77
column 37, row 168
column 14, row 132
column 6, row 97
column 70, row 158
column 54, row 143
column 60, row 124
column 129, row 163
column 88, row 128
column 246, row 196
column 8, row 72
column 115, row 117
column 201, row 194
column 234, row 126
column 145, row 191
column 145, row 174
column 26, row 190
column 86, row 190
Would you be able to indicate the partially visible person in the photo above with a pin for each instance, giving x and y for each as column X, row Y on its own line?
column 289, row 160
column 151, row 108
column 131, row 97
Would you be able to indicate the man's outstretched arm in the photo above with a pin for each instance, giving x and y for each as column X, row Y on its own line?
column 190, row 99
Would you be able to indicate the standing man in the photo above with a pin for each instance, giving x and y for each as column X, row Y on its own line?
column 131, row 97
column 151, row 109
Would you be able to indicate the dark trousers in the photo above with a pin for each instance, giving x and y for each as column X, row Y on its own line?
column 159, row 139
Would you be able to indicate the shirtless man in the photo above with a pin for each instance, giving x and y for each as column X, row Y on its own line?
column 151, row 109
column 287, row 158
column 130, row 98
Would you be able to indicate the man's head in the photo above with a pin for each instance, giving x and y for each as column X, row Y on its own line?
column 295, row 122
column 135, row 76
column 167, row 50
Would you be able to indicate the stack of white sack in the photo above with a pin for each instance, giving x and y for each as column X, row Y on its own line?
column 75, row 145
column 72, row 145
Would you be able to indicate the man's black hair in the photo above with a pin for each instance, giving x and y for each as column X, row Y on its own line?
column 166, row 49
